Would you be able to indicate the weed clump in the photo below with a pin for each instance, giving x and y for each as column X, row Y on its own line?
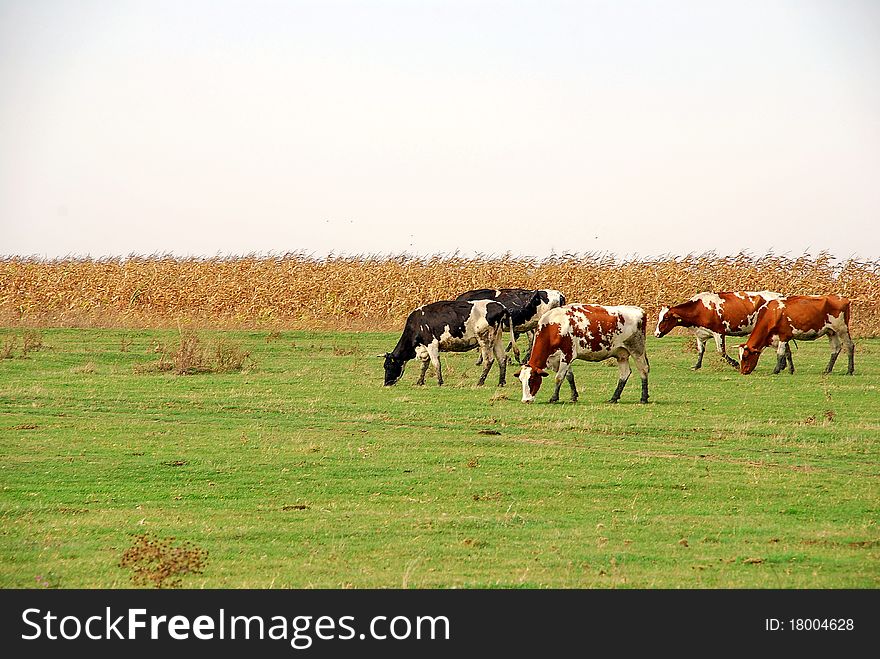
column 191, row 356
column 31, row 341
column 8, row 349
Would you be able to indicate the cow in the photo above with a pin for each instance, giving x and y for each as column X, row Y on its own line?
column 589, row 332
column 801, row 317
column 450, row 326
column 526, row 307
column 717, row 315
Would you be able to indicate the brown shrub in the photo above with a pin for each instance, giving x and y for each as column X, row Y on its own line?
column 32, row 342
column 7, row 351
column 229, row 357
column 191, row 356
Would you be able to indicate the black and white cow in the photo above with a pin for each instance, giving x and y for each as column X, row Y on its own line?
column 451, row 326
column 526, row 307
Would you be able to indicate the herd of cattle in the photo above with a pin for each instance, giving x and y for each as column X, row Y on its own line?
column 559, row 333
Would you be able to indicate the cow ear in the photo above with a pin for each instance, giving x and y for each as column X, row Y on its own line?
column 516, row 375
column 541, row 372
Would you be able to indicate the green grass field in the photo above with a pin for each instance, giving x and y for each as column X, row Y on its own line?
column 305, row 472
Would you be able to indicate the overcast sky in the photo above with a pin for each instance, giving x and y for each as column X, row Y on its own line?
column 636, row 128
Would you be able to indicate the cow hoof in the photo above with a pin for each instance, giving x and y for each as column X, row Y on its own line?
column 695, row 368
column 643, row 401
column 574, row 400
column 613, row 400
column 553, row 400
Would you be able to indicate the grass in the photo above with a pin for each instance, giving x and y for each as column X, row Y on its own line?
column 303, row 471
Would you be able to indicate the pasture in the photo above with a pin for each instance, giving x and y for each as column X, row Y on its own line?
column 303, row 471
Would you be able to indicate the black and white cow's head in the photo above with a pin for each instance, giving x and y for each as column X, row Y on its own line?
column 393, row 369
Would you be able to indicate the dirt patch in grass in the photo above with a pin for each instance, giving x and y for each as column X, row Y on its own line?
column 161, row 562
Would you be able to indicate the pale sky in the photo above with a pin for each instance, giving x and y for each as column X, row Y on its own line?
column 634, row 128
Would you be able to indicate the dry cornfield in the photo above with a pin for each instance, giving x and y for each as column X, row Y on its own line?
column 299, row 291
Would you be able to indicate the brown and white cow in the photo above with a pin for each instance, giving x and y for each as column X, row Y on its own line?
column 801, row 317
column 589, row 332
column 718, row 315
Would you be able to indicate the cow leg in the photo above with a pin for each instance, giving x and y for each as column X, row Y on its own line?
column 480, row 356
column 781, row 358
column 722, row 349
column 788, row 357
column 501, row 356
column 434, row 356
column 531, row 337
column 487, row 350
column 644, row 368
column 561, row 376
column 515, row 347
column 570, row 377
column 835, row 342
column 701, row 350
column 424, row 370
column 850, row 351
column 625, row 370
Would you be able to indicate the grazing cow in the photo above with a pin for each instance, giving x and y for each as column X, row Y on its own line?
column 802, row 317
column 526, row 307
column 717, row 315
column 589, row 332
column 450, row 326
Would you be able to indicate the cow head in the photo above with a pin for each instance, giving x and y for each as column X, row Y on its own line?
column 667, row 320
column 531, row 381
column 393, row 369
column 748, row 358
